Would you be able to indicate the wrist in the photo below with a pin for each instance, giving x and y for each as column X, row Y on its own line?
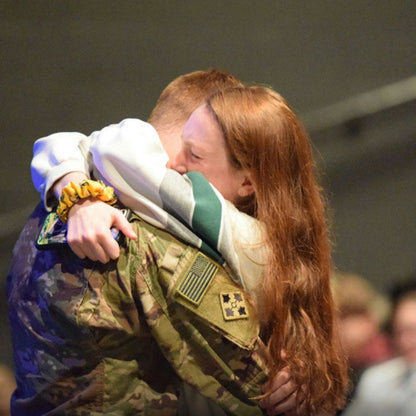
column 63, row 181
column 74, row 192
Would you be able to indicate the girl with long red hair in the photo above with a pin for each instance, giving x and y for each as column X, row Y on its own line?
column 294, row 302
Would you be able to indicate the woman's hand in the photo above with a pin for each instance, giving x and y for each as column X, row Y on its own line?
column 89, row 230
column 283, row 397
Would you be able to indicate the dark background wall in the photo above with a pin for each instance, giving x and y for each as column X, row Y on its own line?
column 80, row 65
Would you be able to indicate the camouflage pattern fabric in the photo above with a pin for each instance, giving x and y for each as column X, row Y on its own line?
column 124, row 338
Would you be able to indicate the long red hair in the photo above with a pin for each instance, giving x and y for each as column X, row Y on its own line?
column 265, row 137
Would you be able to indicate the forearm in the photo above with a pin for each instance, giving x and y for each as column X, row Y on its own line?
column 62, row 158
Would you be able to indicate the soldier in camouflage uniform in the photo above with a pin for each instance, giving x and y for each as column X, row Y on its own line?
column 161, row 331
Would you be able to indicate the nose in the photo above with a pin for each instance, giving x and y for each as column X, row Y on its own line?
column 178, row 163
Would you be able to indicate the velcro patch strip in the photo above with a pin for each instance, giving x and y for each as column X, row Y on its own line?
column 197, row 279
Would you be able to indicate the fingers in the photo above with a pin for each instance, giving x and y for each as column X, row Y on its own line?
column 120, row 222
column 89, row 230
column 283, row 395
column 97, row 246
column 281, row 378
column 288, row 405
column 281, row 400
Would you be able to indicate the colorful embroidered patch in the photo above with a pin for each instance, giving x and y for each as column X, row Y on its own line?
column 233, row 305
column 197, row 279
column 53, row 232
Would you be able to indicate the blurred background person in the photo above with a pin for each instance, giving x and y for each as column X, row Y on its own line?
column 389, row 388
column 363, row 313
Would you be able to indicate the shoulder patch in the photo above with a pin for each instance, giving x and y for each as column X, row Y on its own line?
column 203, row 288
column 52, row 233
column 197, row 279
column 233, row 305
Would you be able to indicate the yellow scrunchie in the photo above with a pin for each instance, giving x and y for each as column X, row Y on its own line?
column 73, row 192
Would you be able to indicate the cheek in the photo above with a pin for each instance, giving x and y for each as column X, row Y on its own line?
column 226, row 185
column 173, row 150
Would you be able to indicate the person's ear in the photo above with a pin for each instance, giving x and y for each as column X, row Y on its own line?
column 246, row 187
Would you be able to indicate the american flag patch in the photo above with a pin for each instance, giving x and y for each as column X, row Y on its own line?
column 233, row 305
column 197, row 279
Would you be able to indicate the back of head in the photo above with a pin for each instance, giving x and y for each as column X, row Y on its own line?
column 266, row 138
column 354, row 295
column 185, row 94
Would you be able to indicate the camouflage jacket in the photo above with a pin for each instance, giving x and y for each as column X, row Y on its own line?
column 143, row 335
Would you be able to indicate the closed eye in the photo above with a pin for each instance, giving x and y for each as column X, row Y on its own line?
column 194, row 155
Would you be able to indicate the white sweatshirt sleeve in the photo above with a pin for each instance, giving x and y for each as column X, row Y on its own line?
column 130, row 157
column 53, row 157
